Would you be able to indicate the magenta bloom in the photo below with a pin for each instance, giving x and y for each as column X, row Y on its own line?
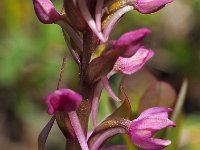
column 150, row 6
column 46, row 11
column 132, row 64
column 147, row 124
column 63, row 100
column 131, row 41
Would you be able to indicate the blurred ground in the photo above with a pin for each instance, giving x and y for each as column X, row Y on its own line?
column 31, row 54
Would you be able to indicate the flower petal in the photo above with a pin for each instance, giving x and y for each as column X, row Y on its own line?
column 150, row 6
column 151, row 124
column 159, row 112
column 131, row 50
column 132, row 37
column 88, row 18
column 64, row 100
column 160, row 142
column 150, row 143
column 147, row 124
column 130, row 65
column 109, row 90
column 113, row 20
column 95, row 103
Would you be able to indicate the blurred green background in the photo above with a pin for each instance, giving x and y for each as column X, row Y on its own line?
column 31, row 56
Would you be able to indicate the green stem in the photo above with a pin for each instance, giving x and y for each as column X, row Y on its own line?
column 89, row 44
column 86, row 90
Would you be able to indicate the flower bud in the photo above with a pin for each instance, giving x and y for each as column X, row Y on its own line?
column 46, row 11
column 142, row 129
column 63, row 100
column 150, row 6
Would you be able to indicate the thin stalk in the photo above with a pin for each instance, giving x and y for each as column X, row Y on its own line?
column 114, row 18
column 98, row 13
column 95, row 103
column 88, row 18
column 61, row 71
column 109, row 90
column 101, row 139
column 180, row 100
column 78, row 130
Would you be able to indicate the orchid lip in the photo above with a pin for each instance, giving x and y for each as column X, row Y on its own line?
column 142, row 129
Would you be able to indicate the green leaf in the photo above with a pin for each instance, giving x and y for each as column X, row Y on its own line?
column 124, row 111
column 44, row 134
column 180, row 100
column 135, row 85
column 177, row 117
column 159, row 94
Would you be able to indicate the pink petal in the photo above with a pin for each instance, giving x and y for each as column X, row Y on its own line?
column 150, row 143
column 159, row 112
column 132, row 37
column 75, row 122
column 113, row 20
column 98, row 13
column 109, row 90
column 142, row 133
column 150, row 6
column 50, row 108
column 151, row 124
column 95, row 103
column 160, row 142
column 142, row 138
column 130, row 65
column 88, row 18
column 131, row 50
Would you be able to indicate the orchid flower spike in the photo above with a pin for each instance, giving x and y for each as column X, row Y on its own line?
column 63, row 100
column 150, row 6
column 45, row 11
column 147, row 124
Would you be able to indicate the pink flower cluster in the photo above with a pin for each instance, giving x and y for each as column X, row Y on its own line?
column 87, row 25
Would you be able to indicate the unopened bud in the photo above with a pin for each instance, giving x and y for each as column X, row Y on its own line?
column 45, row 11
column 150, row 6
column 63, row 100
